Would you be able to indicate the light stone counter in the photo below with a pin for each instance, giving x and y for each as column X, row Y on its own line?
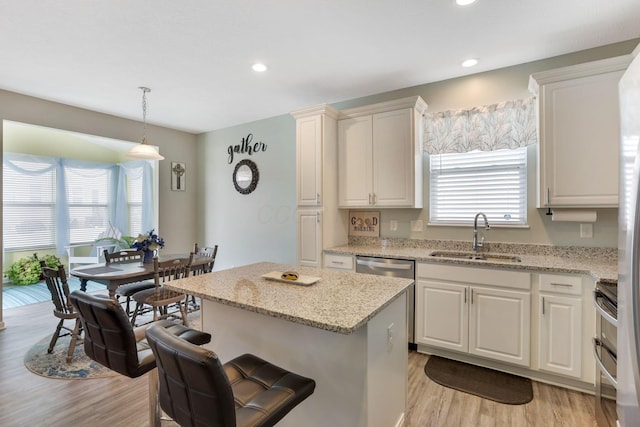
column 600, row 263
column 339, row 302
column 347, row 331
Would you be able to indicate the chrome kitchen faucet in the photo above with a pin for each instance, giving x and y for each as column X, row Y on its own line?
column 477, row 245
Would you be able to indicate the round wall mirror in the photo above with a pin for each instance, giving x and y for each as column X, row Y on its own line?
column 245, row 176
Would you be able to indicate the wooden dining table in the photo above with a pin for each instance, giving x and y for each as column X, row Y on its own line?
column 115, row 274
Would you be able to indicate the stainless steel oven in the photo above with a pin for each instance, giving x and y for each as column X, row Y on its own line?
column 605, row 350
column 393, row 268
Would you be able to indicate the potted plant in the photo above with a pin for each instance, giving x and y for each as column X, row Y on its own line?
column 27, row 271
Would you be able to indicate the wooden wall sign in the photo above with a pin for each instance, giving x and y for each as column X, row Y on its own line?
column 364, row 223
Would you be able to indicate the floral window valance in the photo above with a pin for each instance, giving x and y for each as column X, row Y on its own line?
column 507, row 125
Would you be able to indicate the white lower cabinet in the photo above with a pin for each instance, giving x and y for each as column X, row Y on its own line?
column 443, row 317
column 339, row 262
column 457, row 310
column 499, row 324
column 560, row 325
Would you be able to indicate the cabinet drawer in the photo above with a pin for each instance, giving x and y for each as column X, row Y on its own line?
column 341, row 262
column 561, row 284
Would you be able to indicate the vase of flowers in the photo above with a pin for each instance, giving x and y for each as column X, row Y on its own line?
column 148, row 243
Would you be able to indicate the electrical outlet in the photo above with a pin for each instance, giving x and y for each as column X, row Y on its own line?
column 586, row 231
column 416, row 225
column 390, row 334
column 393, row 225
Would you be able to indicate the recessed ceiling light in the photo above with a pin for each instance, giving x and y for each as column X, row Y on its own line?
column 464, row 2
column 259, row 68
column 470, row 62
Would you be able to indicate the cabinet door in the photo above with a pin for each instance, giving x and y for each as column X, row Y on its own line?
column 355, row 162
column 310, row 238
column 441, row 315
column 560, row 326
column 579, row 120
column 499, row 324
column 309, row 160
column 393, row 159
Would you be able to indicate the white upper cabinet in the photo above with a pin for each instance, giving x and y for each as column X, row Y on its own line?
column 380, row 155
column 309, row 160
column 355, row 161
column 578, row 128
column 315, row 153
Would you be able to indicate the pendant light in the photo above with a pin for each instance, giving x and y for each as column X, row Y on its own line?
column 143, row 150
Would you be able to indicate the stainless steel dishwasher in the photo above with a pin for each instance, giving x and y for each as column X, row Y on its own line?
column 393, row 268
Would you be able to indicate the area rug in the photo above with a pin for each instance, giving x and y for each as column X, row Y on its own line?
column 55, row 365
column 483, row 382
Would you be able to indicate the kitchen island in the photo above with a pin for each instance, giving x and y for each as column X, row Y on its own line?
column 347, row 331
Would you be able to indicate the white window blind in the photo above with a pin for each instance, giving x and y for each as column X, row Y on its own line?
column 493, row 182
column 88, row 201
column 29, row 199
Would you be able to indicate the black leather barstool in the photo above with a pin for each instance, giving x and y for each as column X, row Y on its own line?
column 111, row 340
column 197, row 390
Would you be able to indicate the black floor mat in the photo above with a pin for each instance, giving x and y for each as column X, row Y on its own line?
column 482, row 382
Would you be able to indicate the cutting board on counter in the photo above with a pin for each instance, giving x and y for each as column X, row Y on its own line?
column 302, row 280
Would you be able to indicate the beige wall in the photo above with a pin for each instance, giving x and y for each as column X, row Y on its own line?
column 177, row 212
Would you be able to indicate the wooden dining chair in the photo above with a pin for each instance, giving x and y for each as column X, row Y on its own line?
column 208, row 252
column 127, row 291
column 202, row 267
column 160, row 298
column 56, row 280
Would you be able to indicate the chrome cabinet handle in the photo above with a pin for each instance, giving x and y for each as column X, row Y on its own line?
column 566, row 285
column 318, row 217
column 465, row 295
column 543, row 306
column 384, row 265
column 548, row 196
column 317, row 198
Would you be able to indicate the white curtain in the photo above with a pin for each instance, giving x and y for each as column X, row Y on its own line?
column 118, row 206
column 506, row 125
column 135, row 169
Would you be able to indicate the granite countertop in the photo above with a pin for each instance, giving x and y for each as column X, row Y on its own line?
column 600, row 263
column 339, row 302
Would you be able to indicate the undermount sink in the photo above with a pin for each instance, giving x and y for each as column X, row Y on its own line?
column 476, row 256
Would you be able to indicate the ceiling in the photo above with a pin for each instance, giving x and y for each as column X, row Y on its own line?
column 196, row 56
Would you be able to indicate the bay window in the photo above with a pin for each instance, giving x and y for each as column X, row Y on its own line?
column 55, row 202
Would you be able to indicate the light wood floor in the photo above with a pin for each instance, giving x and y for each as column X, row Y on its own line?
column 27, row 399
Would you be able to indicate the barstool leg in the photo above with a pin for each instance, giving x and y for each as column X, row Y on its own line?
column 154, row 404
